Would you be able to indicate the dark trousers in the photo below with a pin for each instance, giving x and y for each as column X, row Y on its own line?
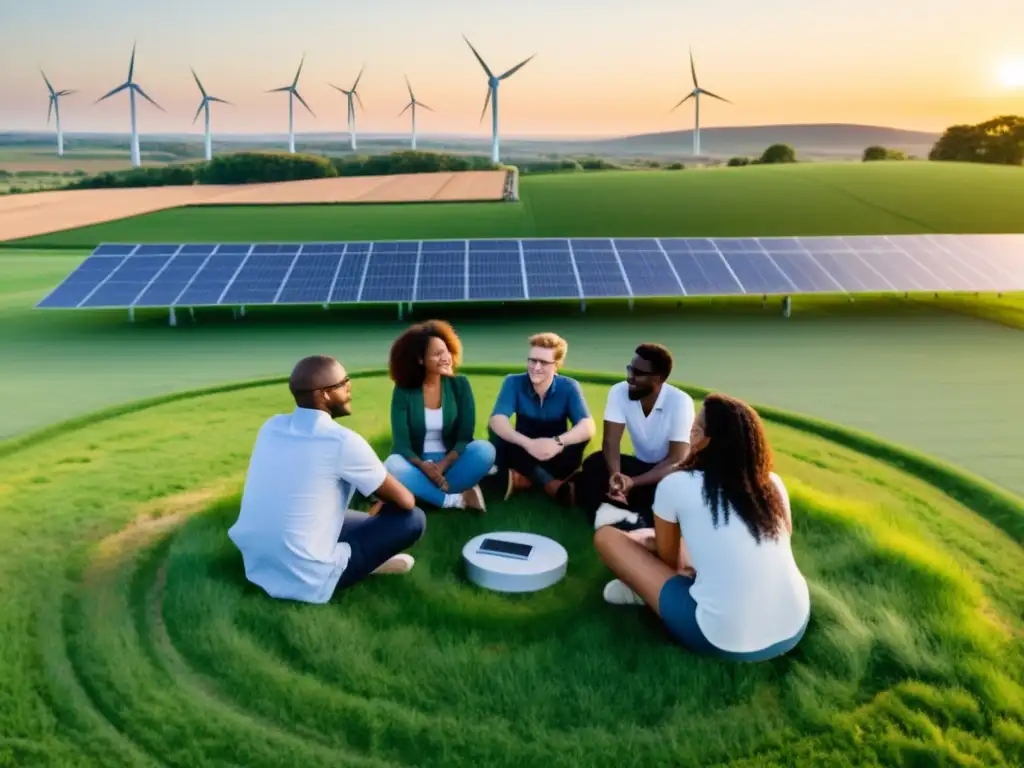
column 592, row 488
column 376, row 539
column 510, row 456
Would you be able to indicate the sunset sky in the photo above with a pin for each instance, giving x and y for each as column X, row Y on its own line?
column 603, row 67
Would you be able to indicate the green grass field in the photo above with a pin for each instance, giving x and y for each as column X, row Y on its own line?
column 808, row 199
column 128, row 635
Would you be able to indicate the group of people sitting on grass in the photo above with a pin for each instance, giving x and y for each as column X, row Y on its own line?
column 694, row 524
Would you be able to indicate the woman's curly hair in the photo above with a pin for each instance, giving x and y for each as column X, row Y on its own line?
column 737, row 462
column 405, row 363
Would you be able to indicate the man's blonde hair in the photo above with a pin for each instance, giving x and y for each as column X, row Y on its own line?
column 553, row 342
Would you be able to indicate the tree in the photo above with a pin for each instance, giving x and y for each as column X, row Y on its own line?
column 877, row 152
column 999, row 141
column 736, row 162
column 778, row 153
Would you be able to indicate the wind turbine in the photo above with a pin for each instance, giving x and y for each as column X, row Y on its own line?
column 205, row 104
column 293, row 92
column 54, row 109
column 492, row 95
column 133, row 88
column 350, row 94
column 695, row 94
column 413, row 104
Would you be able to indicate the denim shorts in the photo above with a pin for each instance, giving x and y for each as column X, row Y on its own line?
column 679, row 613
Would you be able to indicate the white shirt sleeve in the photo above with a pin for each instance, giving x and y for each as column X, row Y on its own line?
column 359, row 465
column 683, row 416
column 666, row 498
column 613, row 407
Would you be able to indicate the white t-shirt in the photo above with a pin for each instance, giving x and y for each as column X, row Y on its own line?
column 749, row 596
column 433, row 440
column 669, row 420
column 302, row 475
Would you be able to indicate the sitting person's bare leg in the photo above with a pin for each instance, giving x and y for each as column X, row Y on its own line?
column 636, row 566
column 645, row 536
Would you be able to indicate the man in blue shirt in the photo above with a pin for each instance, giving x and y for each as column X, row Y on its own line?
column 553, row 424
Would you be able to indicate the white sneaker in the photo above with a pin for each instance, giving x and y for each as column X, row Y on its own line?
column 402, row 563
column 617, row 593
column 609, row 514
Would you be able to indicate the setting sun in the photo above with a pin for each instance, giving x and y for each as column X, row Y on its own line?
column 1012, row 74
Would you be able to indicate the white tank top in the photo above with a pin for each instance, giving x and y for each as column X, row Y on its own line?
column 433, row 441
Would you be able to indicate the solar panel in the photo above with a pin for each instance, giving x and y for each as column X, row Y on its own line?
column 550, row 270
column 647, row 268
column 599, row 269
column 442, row 271
column 235, row 274
column 390, row 272
column 495, row 270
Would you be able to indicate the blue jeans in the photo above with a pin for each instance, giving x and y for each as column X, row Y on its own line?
column 679, row 613
column 465, row 472
column 375, row 540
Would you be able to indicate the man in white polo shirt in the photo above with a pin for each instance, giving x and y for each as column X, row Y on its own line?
column 298, row 539
column 618, row 489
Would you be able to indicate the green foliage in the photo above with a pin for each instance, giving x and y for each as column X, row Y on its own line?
column 999, row 141
column 257, row 167
column 675, row 167
column 410, row 161
column 736, row 162
column 778, row 153
column 877, row 152
column 146, row 176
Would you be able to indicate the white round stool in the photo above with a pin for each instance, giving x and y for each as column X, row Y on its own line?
column 509, row 561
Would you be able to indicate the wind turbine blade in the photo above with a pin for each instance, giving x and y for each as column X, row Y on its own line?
column 145, row 95
column 298, row 72
column 303, row 102
column 693, row 70
column 715, row 96
column 201, row 89
column 116, row 90
column 406, row 109
column 50, row 87
column 421, row 105
column 219, row 100
column 479, row 58
column 338, row 89
column 49, row 110
column 67, row 92
column 407, row 85
column 684, row 100
column 199, row 111
column 280, row 90
column 358, row 99
column 487, row 103
column 516, row 68
column 358, row 77
column 131, row 64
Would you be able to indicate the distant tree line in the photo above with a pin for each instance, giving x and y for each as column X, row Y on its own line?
column 259, row 167
column 999, row 141
column 776, row 153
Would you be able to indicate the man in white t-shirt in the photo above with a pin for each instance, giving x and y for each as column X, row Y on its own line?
column 298, row 539
column 618, row 489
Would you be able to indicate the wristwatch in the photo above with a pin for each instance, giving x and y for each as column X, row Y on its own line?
column 558, row 439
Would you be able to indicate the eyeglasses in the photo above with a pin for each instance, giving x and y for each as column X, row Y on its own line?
column 330, row 387
column 538, row 362
column 637, row 374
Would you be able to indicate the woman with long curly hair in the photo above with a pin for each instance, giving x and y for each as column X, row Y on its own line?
column 718, row 567
column 433, row 419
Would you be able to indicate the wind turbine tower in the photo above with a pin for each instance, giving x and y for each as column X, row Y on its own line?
column 352, row 95
column 132, row 88
column 412, row 105
column 205, row 104
column 492, row 96
column 54, row 109
column 695, row 94
column 293, row 93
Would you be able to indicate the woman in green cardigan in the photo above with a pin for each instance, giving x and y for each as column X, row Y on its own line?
column 433, row 417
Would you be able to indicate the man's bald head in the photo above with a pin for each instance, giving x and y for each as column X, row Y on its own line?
column 320, row 382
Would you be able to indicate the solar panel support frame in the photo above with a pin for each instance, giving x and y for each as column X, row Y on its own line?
column 576, row 272
column 671, row 266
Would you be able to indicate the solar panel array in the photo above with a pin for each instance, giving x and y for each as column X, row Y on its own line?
column 193, row 275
